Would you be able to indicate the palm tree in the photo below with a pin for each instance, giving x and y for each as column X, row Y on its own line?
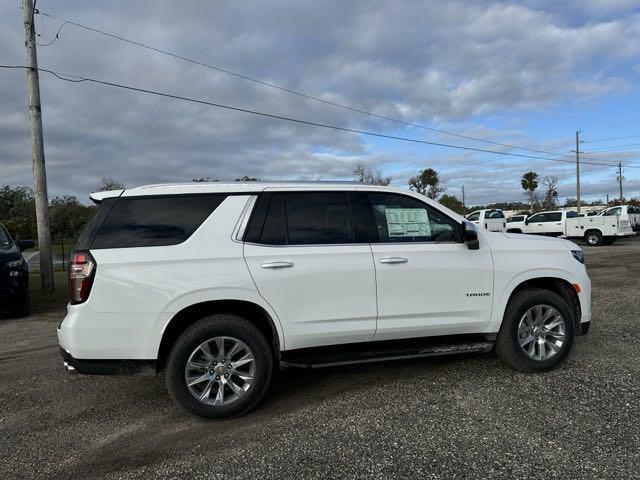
column 529, row 183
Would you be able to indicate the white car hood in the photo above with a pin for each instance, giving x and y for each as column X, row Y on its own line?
column 520, row 241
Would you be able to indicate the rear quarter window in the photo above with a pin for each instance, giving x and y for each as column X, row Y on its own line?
column 152, row 221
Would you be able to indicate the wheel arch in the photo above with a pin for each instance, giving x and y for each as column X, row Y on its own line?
column 189, row 315
column 558, row 285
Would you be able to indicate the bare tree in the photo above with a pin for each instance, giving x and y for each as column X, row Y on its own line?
column 109, row 183
column 550, row 200
column 427, row 182
column 370, row 176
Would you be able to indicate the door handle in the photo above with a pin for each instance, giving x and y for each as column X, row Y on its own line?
column 394, row 260
column 277, row 265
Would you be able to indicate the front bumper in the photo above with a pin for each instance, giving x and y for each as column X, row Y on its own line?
column 107, row 367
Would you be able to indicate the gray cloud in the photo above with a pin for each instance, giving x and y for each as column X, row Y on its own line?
column 438, row 63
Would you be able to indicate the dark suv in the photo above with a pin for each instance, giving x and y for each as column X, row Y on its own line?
column 14, row 274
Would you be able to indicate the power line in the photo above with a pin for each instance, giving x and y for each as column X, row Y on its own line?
column 610, row 138
column 614, row 148
column 80, row 79
column 296, row 92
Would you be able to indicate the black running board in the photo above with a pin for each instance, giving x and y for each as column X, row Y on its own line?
column 345, row 357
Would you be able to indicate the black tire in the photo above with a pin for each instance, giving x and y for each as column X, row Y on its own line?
column 609, row 240
column 21, row 306
column 219, row 325
column 593, row 238
column 507, row 344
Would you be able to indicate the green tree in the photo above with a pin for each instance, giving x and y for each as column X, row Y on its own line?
column 529, row 183
column 427, row 182
column 67, row 216
column 452, row 202
column 18, row 211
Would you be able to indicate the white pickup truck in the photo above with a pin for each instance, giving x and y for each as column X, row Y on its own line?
column 625, row 212
column 597, row 230
column 490, row 219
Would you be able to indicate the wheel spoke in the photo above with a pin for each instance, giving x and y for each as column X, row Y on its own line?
column 552, row 345
column 235, row 349
column 543, row 350
column 558, row 335
column 248, row 358
column 219, row 400
column 243, row 376
column 526, row 340
column 556, row 323
column 207, row 351
column 195, row 365
column 191, row 381
column 207, row 391
column 220, row 346
column 235, row 388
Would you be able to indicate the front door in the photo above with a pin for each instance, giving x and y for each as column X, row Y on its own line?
column 535, row 224
column 311, row 262
column 429, row 282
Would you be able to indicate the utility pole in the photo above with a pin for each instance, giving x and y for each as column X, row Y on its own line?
column 37, row 149
column 464, row 207
column 578, row 170
column 607, row 199
column 620, row 178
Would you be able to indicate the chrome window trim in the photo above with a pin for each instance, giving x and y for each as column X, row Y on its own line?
column 243, row 220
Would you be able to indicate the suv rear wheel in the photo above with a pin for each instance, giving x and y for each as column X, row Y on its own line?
column 219, row 367
column 537, row 331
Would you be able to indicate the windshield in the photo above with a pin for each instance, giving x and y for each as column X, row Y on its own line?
column 5, row 239
column 494, row 214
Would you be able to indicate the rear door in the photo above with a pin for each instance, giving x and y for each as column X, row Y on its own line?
column 552, row 224
column 429, row 282
column 310, row 259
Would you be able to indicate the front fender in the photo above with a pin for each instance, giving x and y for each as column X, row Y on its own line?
column 510, row 285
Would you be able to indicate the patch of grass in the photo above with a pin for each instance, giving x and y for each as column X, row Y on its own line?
column 47, row 302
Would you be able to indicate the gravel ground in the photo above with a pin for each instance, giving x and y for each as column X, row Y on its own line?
column 459, row 417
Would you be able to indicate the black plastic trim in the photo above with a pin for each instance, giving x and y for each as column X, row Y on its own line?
column 109, row 367
column 584, row 328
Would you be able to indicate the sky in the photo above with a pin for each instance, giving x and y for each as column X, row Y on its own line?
column 527, row 74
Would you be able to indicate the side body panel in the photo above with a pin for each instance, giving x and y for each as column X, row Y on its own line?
column 138, row 290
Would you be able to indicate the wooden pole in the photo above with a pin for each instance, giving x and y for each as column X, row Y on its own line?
column 37, row 149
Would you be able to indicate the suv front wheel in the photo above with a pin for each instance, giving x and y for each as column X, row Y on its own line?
column 537, row 331
column 219, row 367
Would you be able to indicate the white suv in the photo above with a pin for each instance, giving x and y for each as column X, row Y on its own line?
column 219, row 284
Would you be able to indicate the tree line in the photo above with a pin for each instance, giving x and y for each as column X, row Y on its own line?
column 67, row 216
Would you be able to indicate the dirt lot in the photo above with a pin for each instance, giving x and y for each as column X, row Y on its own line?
column 444, row 418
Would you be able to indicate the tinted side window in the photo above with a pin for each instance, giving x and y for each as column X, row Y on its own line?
column 404, row 219
column 572, row 214
column 538, row 217
column 89, row 230
column 318, row 218
column 553, row 217
column 474, row 217
column 154, row 221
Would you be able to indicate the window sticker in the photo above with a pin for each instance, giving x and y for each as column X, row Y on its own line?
column 407, row 222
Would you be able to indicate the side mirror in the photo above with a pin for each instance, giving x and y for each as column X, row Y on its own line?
column 470, row 236
column 526, row 222
column 25, row 244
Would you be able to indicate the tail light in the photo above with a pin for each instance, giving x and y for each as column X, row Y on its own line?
column 82, row 269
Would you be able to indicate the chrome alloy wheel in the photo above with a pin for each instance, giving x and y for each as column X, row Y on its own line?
column 541, row 332
column 220, row 371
